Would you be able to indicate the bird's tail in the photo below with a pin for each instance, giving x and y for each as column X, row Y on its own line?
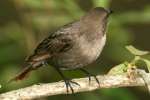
column 22, row 74
column 32, row 63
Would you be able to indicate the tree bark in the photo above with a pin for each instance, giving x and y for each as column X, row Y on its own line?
column 56, row 88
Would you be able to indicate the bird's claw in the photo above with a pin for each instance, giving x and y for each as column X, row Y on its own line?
column 68, row 85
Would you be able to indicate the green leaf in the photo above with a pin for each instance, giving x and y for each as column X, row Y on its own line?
column 119, row 69
column 135, row 51
column 147, row 62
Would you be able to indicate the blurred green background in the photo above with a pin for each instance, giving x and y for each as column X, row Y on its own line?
column 24, row 23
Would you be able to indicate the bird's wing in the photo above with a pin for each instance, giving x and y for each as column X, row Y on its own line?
column 56, row 43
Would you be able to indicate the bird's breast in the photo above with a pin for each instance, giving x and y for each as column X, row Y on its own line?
column 81, row 54
column 92, row 49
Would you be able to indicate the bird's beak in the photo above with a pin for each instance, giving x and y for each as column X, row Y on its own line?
column 110, row 12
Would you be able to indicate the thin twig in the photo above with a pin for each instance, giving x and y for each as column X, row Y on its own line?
column 44, row 90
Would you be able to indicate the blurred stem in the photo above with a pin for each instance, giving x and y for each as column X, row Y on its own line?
column 101, row 3
column 25, row 22
column 73, row 8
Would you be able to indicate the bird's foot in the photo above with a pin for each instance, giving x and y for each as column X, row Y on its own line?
column 69, row 83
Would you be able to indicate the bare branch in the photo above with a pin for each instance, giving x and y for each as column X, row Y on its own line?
column 43, row 90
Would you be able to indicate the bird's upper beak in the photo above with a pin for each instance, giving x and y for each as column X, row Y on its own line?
column 109, row 11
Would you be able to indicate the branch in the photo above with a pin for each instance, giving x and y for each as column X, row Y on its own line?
column 43, row 90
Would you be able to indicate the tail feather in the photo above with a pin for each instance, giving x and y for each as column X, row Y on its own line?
column 22, row 74
column 33, row 62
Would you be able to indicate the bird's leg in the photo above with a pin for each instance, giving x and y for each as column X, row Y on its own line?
column 89, row 75
column 44, row 63
column 67, row 81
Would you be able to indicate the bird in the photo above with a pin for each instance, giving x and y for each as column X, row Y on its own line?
column 72, row 46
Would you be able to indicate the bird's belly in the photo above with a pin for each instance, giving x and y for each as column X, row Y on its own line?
column 80, row 55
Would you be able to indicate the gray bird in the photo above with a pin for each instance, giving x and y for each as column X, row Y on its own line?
column 73, row 46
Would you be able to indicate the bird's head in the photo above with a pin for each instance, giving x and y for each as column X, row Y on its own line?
column 96, row 15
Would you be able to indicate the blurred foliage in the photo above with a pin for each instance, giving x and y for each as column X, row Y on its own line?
column 138, row 57
column 24, row 23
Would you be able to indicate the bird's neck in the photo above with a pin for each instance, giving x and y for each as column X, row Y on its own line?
column 92, row 30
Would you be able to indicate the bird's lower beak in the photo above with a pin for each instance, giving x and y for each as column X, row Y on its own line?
column 110, row 12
